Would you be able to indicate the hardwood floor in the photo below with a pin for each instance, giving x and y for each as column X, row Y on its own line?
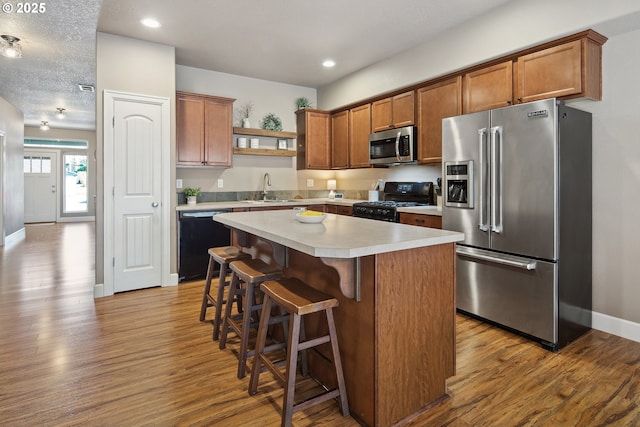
column 143, row 358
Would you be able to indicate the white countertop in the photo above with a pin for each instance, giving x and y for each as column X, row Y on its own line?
column 425, row 210
column 339, row 236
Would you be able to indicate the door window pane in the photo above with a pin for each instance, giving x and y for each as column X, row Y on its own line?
column 75, row 183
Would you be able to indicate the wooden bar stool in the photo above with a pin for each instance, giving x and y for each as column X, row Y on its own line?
column 251, row 273
column 223, row 255
column 298, row 299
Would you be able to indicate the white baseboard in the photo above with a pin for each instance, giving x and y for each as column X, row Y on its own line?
column 98, row 290
column 613, row 325
column 173, row 279
column 15, row 237
column 77, row 219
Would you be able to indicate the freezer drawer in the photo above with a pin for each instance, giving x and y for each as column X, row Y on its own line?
column 519, row 293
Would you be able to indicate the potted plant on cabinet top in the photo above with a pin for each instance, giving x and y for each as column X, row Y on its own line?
column 192, row 195
column 303, row 102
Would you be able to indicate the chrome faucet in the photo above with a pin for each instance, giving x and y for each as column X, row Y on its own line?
column 266, row 180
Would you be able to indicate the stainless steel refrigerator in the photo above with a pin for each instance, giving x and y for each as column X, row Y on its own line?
column 517, row 183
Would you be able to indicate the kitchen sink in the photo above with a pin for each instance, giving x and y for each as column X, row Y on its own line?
column 259, row 202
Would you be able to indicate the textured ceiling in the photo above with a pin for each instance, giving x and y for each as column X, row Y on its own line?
column 58, row 53
column 277, row 40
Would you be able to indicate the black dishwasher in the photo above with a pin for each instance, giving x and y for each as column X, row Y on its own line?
column 197, row 232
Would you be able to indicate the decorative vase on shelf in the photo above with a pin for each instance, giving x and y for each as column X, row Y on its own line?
column 192, row 200
column 246, row 123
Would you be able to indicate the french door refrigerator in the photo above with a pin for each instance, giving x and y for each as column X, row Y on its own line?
column 517, row 183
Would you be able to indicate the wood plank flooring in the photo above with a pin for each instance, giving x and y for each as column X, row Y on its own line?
column 143, row 358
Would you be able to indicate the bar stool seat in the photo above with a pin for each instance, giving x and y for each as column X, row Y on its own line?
column 298, row 299
column 222, row 255
column 251, row 273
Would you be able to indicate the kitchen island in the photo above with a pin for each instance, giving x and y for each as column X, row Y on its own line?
column 395, row 284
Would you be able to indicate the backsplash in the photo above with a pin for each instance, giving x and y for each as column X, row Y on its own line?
column 232, row 196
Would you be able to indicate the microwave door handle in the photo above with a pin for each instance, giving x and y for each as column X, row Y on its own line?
column 482, row 137
column 398, row 145
column 496, row 179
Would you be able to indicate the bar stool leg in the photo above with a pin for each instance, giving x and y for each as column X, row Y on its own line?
column 207, row 287
column 246, row 322
column 337, row 362
column 260, row 343
column 219, row 301
column 290, row 374
column 233, row 290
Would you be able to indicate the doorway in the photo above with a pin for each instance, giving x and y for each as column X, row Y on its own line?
column 40, row 186
column 74, row 187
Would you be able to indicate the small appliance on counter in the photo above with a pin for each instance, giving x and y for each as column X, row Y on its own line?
column 396, row 195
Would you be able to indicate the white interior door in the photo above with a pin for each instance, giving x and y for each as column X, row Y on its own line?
column 137, row 195
column 40, row 186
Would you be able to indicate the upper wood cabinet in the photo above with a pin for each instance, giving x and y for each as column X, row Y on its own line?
column 204, row 134
column 313, row 139
column 393, row 112
column 436, row 102
column 488, row 88
column 359, row 130
column 569, row 70
column 340, row 140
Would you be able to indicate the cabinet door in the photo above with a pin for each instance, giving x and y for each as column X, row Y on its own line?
column 382, row 115
column 340, row 140
column 436, row 102
column 488, row 88
column 393, row 112
column 314, row 132
column 421, row 220
column 403, row 109
column 359, row 130
column 550, row 73
column 189, row 130
column 218, row 118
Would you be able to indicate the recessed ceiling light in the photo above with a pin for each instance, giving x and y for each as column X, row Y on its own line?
column 150, row 22
column 329, row 63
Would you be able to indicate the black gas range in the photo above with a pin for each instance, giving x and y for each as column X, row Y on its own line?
column 396, row 195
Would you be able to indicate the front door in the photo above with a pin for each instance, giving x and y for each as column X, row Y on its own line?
column 137, row 195
column 40, row 186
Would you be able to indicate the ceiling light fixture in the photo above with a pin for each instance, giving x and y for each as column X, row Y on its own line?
column 150, row 22
column 44, row 125
column 328, row 63
column 10, row 47
column 61, row 113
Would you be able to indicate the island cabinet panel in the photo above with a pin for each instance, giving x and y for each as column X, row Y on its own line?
column 313, row 139
column 340, row 140
column 204, row 135
column 393, row 112
column 398, row 342
column 436, row 102
column 359, row 130
column 488, row 88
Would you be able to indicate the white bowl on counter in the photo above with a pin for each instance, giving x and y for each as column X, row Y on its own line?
column 310, row 219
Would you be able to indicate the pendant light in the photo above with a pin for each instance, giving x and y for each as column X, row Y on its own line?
column 10, row 47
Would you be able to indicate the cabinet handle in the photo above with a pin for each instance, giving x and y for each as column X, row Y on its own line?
column 509, row 102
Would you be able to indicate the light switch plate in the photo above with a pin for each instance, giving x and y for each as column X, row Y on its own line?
column 178, row 183
column 220, row 183
column 310, row 183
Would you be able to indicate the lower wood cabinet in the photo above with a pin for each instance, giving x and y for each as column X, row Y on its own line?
column 340, row 210
column 431, row 221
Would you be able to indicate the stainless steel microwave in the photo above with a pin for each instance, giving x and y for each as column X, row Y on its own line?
column 393, row 146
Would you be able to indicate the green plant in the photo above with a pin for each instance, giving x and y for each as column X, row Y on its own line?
column 189, row 192
column 303, row 102
column 271, row 122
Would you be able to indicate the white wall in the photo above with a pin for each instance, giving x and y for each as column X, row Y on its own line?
column 11, row 169
column 616, row 121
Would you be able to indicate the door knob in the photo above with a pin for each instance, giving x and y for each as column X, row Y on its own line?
column 155, row 204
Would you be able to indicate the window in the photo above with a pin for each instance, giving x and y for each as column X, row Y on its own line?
column 75, row 183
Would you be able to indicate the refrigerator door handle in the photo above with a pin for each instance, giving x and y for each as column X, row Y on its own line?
column 508, row 260
column 482, row 136
column 496, row 179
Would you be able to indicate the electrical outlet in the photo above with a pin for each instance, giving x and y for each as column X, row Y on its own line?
column 220, row 183
column 309, row 183
column 178, row 183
